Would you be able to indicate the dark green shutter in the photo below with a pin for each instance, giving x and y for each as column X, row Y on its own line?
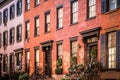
column 118, row 3
column 103, row 58
column 103, row 6
column 118, row 50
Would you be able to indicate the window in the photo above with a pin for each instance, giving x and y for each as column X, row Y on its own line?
column 27, row 29
column 12, row 31
column 74, row 13
column 27, row 4
column 60, row 17
column 5, row 16
column 112, row 50
column 73, row 51
column 91, row 8
column 0, row 18
column 37, row 26
column 5, row 62
column 19, row 33
column 27, row 61
column 109, row 5
column 36, row 60
column 19, row 7
column 11, row 62
column 12, row 12
column 0, row 40
column 73, row 48
column 37, row 2
column 5, row 38
column 19, row 60
column 59, row 50
column 47, row 22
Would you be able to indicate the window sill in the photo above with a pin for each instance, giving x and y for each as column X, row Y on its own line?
column 111, row 11
column 11, row 43
column 73, row 24
column 19, row 40
column 90, row 18
column 27, row 10
column 36, row 36
column 47, row 32
column 19, row 14
column 59, row 28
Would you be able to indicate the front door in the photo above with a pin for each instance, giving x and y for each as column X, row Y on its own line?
column 48, row 66
column 92, row 52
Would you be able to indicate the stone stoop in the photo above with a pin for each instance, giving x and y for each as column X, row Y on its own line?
column 110, row 75
column 57, row 77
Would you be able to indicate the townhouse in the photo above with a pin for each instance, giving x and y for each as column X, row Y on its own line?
column 11, row 35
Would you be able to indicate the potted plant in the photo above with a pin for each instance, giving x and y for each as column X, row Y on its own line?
column 59, row 68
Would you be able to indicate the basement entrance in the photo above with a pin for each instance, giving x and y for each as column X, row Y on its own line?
column 47, row 49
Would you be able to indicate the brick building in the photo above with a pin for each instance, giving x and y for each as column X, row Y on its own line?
column 62, row 29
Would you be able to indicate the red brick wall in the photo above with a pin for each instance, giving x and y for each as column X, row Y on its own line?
column 64, row 34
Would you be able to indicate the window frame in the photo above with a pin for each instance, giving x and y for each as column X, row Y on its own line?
column 12, row 11
column 27, row 5
column 72, row 13
column 35, row 59
column 27, row 67
column 5, row 41
column 11, row 63
column 58, row 8
column 27, row 32
column 12, row 36
column 5, row 63
column 5, row 16
column 19, row 7
column 47, row 13
column 108, row 50
column 18, row 34
column 36, row 28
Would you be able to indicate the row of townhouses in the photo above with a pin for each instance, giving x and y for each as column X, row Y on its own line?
column 36, row 33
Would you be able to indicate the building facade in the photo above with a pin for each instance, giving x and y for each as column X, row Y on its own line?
column 37, row 34
column 11, row 35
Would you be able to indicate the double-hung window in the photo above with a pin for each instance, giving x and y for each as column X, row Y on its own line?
column 5, row 16
column 47, row 22
column 112, row 50
column 27, row 29
column 27, row 61
column 19, row 33
column 60, row 17
column 27, row 4
column 12, row 11
column 19, row 7
column 5, row 38
column 74, row 12
column 12, row 33
column 91, row 8
column 37, row 63
column 37, row 24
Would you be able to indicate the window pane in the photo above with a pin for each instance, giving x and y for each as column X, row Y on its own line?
column 112, row 50
column 113, row 4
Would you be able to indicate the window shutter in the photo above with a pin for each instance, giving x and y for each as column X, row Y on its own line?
column 118, row 50
column 103, row 6
column 118, row 3
column 103, row 57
